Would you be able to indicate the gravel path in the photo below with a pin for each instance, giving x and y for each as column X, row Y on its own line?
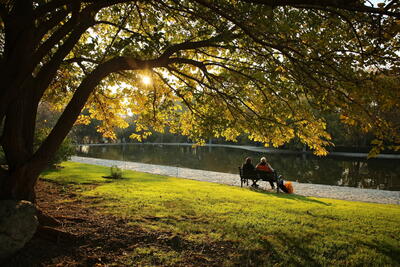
column 314, row 190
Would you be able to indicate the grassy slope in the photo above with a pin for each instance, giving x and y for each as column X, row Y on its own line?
column 264, row 228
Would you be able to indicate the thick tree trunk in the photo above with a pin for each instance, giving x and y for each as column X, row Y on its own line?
column 20, row 183
column 16, row 64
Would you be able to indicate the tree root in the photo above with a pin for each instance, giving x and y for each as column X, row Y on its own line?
column 47, row 231
column 54, row 234
column 46, row 220
column 68, row 218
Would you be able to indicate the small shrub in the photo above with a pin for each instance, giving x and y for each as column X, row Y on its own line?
column 116, row 172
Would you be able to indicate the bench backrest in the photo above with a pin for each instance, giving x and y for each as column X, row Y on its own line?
column 247, row 174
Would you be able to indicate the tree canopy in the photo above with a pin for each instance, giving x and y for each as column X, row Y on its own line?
column 270, row 69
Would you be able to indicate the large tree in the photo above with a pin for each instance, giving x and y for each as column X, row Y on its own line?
column 269, row 69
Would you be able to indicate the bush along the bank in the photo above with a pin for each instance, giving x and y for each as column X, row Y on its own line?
column 65, row 151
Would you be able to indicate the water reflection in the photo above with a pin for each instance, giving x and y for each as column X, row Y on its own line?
column 344, row 171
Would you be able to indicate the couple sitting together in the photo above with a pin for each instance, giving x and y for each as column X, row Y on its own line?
column 265, row 172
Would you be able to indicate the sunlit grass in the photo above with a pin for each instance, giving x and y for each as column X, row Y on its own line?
column 264, row 228
column 77, row 174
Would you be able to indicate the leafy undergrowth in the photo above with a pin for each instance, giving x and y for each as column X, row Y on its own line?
column 198, row 223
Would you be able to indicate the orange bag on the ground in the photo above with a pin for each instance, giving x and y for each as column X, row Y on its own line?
column 289, row 187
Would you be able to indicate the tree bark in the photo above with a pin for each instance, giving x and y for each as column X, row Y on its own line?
column 20, row 183
column 17, row 182
column 16, row 66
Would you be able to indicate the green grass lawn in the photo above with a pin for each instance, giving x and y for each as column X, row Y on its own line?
column 262, row 228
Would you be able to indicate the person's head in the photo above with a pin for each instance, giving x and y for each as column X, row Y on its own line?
column 263, row 160
column 248, row 160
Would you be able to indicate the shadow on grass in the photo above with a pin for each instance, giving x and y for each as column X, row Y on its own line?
column 116, row 243
column 146, row 179
column 268, row 253
column 289, row 196
column 71, row 182
column 392, row 252
column 110, row 179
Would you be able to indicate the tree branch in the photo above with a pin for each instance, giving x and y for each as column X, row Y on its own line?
column 3, row 12
column 211, row 42
column 42, row 10
column 55, row 4
column 198, row 64
column 114, row 25
column 349, row 5
column 49, row 24
column 80, row 60
column 48, row 71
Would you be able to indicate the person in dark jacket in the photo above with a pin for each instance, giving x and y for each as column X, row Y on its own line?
column 248, row 165
column 249, row 170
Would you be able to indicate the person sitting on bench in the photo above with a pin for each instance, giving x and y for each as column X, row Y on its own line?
column 248, row 165
column 266, row 172
column 250, row 171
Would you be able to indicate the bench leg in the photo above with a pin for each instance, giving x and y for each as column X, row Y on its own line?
column 254, row 184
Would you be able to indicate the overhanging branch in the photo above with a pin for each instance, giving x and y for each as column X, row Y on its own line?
column 349, row 5
column 211, row 42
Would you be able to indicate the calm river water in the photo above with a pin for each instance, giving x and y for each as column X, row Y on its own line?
column 345, row 171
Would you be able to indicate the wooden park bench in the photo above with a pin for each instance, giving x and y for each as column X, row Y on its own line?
column 255, row 176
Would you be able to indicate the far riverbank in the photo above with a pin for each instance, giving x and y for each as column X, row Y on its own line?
column 261, row 149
